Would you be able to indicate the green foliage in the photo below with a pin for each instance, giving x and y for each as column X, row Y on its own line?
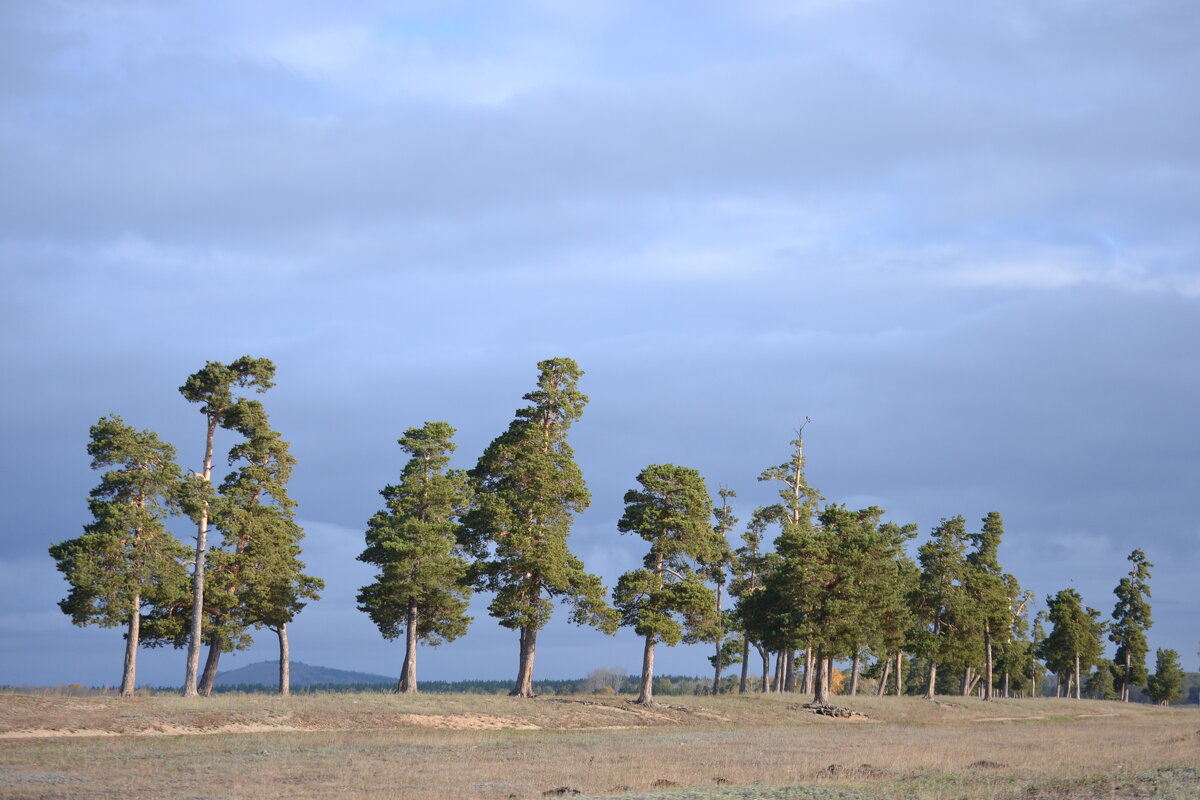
column 668, row 599
column 1131, row 620
column 125, row 562
column 1075, row 637
column 1165, row 686
column 528, row 487
column 414, row 542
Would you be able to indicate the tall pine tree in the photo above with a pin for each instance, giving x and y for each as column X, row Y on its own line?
column 422, row 587
column 1131, row 620
column 528, row 488
column 125, row 560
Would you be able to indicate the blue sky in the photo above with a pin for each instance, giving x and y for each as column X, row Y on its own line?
column 960, row 237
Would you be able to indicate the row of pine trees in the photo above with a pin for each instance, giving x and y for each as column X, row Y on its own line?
column 837, row 584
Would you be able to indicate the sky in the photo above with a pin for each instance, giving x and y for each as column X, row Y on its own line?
column 960, row 237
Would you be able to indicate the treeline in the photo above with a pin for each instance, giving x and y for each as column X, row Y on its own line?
column 809, row 584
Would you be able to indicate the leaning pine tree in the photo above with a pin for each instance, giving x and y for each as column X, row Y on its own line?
column 667, row 599
column 422, row 585
column 527, row 489
column 125, row 560
column 1131, row 619
column 212, row 387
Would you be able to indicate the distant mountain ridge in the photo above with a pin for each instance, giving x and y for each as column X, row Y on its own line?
column 267, row 673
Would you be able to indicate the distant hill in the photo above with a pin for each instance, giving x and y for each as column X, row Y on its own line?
column 267, row 673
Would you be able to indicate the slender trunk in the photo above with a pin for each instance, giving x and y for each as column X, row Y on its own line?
column 964, row 687
column 1077, row 683
column 646, row 689
column 929, row 686
column 789, row 671
column 194, row 637
column 524, row 685
column 777, row 684
column 987, row 647
column 717, row 665
column 808, row 671
column 899, row 673
column 745, row 664
column 129, row 674
column 285, row 661
column 881, row 689
column 210, row 667
column 1007, row 689
column 1125, row 677
column 765, row 655
column 828, row 667
column 821, row 683
column 854, row 674
column 408, row 675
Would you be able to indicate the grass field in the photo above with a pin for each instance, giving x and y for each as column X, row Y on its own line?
column 472, row 746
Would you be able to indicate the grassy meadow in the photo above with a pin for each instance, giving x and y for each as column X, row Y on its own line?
column 478, row 746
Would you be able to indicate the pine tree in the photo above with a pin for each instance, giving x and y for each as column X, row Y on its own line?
column 1074, row 642
column 1165, row 686
column 667, row 598
column 988, row 587
column 213, row 387
column 125, row 560
column 726, row 649
column 422, row 587
column 940, row 600
column 527, row 488
column 257, row 571
column 1131, row 620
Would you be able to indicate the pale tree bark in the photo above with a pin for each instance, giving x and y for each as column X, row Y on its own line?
column 1077, row 682
column 789, row 671
column 987, row 647
column 778, row 686
column 285, row 661
column 129, row 674
column 745, row 664
column 210, row 667
column 1125, row 677
column 886, row 673
column 524, row 685
column 854, row 674
column 900, row 673
column 932, row 682
column 821, row 682
column 807, row 688
column 646, row 688
column 408, row 674
column 194, row 638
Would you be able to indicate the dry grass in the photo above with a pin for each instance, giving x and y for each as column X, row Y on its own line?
column 467, row 746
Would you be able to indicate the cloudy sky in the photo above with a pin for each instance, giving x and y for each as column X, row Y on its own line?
column 961, row 237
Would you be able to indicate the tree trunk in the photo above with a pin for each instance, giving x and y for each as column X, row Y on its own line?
column 285, row 661
column 929, row 687
column 789, row 671
column 964, row 687
column 821, row 682
column 987, row 647
column 646, row 689
column 745, row 664
column 885, row 672
column 854, row 674
column 194, row 637
column 408, row 674
column 899, row 673
column 210, row 667
column 129, row 674
column 1078, row 693
column 1007, row 690
column 807, row 688
column 524, row 685
column 765, row 654
column 778, row 685
column 1125, row 677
